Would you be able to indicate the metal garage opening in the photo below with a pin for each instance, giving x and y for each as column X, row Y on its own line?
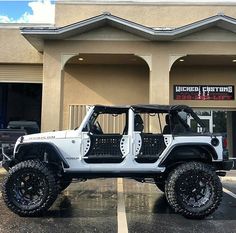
column 20, row 102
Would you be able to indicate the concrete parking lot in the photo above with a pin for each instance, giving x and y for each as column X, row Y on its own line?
column 120, row 205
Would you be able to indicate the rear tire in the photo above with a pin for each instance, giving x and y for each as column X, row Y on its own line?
column 194, row 190
column 30, row 188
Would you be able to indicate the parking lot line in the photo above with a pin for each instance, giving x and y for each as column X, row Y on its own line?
column 121, row 214
column 229, row 193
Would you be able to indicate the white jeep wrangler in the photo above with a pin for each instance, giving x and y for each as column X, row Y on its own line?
column 152, row 142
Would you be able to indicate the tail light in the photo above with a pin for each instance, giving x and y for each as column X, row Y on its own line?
column 225, row 144
column 225, row 150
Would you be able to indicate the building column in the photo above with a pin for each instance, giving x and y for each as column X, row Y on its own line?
column 159, row 83
column 52, row 95
column 158, row 87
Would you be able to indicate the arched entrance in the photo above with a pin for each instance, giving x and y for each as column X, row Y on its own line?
column 207, row 83
column 107, row 79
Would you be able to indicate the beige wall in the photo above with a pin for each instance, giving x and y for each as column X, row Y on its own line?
column 158, row 55
column 57, row 51
column 16, row 49
column 152, row 15
column 203, row 75
column 104, row 84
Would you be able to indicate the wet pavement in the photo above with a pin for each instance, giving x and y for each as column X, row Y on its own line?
column 84, row 207
column 148, row 211
column 92, row 207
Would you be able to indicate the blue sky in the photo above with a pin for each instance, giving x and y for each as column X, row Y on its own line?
column 14, row 9
column 33, row 11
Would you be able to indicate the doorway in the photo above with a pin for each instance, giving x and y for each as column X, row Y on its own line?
column 20, row 102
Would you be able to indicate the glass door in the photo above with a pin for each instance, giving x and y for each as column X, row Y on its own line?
column 206, row 117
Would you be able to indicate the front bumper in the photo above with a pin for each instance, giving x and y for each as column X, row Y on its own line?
column 224, row 165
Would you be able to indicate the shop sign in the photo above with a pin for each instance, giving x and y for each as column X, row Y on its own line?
column 203, row 92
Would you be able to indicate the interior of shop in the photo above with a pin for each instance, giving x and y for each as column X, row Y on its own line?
column 20, row 102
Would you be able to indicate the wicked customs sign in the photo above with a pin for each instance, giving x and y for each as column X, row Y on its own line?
column 201, row 92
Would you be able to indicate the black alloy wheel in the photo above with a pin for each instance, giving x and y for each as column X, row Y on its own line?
column 194, row 190
column 30, row 188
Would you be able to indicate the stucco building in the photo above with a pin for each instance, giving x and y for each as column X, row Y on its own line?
column 116, row 52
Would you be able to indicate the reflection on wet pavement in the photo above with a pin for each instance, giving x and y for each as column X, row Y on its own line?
column 92, row 207
column 147, row 211
column 83, row 207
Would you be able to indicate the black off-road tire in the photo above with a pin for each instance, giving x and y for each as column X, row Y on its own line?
column 188, row 183
column 31, row 179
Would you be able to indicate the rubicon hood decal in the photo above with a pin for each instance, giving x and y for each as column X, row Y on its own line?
column 46, row 136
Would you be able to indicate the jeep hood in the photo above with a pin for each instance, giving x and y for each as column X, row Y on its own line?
column 46, row 136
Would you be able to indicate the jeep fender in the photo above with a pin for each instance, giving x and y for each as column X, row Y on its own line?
column 37, row 150
column 187, row 152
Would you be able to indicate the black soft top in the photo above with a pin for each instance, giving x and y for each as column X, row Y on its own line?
column 147, row 108
column 153, row 108
column 111, row 109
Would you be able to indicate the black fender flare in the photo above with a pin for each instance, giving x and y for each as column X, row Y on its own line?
column 23, row 147
column 171, row 154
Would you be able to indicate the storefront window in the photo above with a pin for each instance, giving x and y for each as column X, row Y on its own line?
column 215, row 121
column 219, row 121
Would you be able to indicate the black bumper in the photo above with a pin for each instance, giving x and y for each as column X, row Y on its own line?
column 224, row 165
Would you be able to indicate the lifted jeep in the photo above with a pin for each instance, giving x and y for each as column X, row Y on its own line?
column 153, row 142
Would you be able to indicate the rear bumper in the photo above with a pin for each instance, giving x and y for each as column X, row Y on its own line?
column 224, row 165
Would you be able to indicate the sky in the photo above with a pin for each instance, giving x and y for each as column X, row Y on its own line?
column 32, row 11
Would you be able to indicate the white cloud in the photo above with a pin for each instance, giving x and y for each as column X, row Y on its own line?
column 43, row 12
column 5, row 19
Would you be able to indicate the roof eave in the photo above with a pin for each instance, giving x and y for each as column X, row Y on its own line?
column 36, row 36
